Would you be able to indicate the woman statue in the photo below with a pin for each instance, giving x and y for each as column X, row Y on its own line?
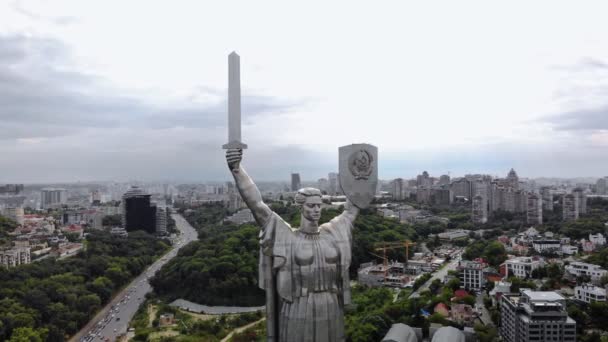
column 307, row 266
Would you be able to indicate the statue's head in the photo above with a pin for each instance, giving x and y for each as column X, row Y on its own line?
column 309, row 199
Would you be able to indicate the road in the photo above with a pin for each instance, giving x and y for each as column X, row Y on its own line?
column 484, row 314
column 114, row 318
column 437, row 275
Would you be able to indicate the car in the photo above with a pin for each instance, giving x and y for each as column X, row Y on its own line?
column 117, row 319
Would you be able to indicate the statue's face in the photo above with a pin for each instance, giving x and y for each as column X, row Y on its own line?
column 312, row 208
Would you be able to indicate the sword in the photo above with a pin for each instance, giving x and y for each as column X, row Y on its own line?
column 234, row 103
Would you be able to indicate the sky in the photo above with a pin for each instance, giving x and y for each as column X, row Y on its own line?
column 116, row 90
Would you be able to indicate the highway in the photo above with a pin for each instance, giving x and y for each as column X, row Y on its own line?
column 114, row 318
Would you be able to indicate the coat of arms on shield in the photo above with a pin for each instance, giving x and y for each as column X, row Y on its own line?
column 359, row 173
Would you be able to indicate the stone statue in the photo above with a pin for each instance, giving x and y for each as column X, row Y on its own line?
column 305, row 270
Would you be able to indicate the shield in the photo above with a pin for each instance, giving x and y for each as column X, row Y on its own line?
column 359, row 173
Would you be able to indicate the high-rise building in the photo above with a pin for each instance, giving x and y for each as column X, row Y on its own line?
column 15, row 213
column 442, row 195
column 138, row 212
column 423, row 195
column 581, row 200
column 513, row 179
column 323, row 184
column 161, row 221
column 444, row 180
column 535, row 316
column 334, row 187
column 398, row 189
column 53, row 197
column 424, row 181
column 461, row 188
column 547, row 195
column 534, row 214
column 570, row 207
column 602, row 186
column 11, row 189
column 296, row 184
column 480, row 209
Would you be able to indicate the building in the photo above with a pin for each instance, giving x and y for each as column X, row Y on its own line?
column 602, row 186
column 480, row 209
column 138, row 212
column 547, row 245
column 579, row 269
column 442, row 196
column 11, row 189
column 53, row 197
column 522, row 267
column 471, row 274
column 15, row 213
column 444, row 180
column 547, row 196
column 15, row 256
column 296, row 183
column 323, row 184
column 512, row 179
column 423, row 195
column 424, row 181
column 240, row 217
column 570, row 207
column 455, row 234
column 334, row 186
column 161, row 221
column 461, row 188
column 590, row 293
column 534, row 212
column 581, row 200
column 119, row 232
column 535, row 316
column 597, row 239
column 398, row 189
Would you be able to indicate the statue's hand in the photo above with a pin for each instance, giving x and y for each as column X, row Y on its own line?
column 234, row 157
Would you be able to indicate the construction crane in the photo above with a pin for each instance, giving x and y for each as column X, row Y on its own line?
column 392, row 245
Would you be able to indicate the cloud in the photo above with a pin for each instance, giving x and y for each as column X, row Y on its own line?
column 61, row 123
column 581, row 120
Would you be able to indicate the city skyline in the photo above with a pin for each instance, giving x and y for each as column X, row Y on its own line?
column 87, row 101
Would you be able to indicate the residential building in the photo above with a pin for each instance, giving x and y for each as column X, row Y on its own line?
column 547, row 245
column 53, row 197
column 602, row 186
column 480, row 209
column 597, row 239
column 471, row 274
column 11, row 189
column 547, row 196
column 15, row 256
column 444, row 180
column 513, row 179
column 590, row 293
column 398, row 189
column 570, row 207
column 161, row 221
column 534, row 213
column 296, row 183
column 522, row 267
column 423, row 195
column 424, row 181
column 462, row 188
column 578, row 269
column 442, row 196
column 569, row 250
column 323, row 184
column 334, row 186
column 535, row 316
column 15, row 213
column 581, row 200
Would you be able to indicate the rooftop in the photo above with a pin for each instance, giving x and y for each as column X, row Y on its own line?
column 542, row 295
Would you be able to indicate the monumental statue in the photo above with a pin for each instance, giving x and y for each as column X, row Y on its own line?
column 303, row 270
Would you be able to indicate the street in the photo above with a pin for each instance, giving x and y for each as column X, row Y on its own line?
column 440, row 274
column 114, row 318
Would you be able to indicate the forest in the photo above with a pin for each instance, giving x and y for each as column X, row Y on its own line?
column 222, row 267
column 51, row 299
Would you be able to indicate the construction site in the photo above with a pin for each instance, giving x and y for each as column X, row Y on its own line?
column 397, row 273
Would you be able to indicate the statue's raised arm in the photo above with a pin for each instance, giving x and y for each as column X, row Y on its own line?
column 248, row 190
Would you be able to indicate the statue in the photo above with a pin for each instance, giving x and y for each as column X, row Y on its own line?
column 304, row 271
column 308, row 266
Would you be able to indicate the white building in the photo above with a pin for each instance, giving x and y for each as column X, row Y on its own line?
column 471, row 274
column 590, row 293
column 569, row 250
column 241, row 217
column 15, row 213
column 597, row 239
column 546, row 245
column 522, row 267
column 578, row 269
column 15, row 256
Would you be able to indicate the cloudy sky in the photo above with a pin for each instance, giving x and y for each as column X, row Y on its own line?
column 137, row 90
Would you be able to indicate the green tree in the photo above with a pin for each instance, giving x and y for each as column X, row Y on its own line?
column 28, row 334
